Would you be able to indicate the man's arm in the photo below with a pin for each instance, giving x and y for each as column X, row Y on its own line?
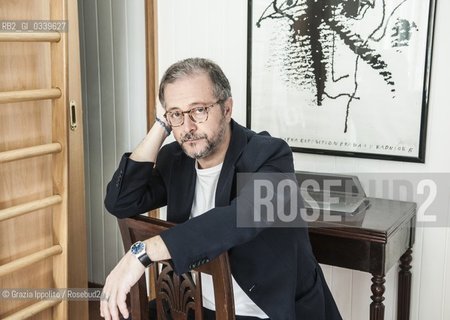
column 128, row 271
column 136, row 187
column 147, row 150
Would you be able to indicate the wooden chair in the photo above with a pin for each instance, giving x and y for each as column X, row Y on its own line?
column 178, row 295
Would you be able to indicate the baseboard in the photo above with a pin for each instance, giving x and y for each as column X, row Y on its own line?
column 94, row 285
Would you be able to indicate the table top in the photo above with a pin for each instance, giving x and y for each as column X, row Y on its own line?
column 377, row 222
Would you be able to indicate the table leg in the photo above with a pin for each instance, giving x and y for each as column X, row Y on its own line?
column 377, row 306
column 404, row 286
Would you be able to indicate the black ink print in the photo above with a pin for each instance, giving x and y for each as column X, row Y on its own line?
column 308, row 59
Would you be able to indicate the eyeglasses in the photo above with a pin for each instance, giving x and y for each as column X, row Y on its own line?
column 198, row 114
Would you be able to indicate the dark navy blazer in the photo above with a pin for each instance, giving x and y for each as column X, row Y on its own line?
column 275, row 266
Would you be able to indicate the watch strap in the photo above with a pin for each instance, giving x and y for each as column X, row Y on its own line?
column 138, row 249
column 145, row 260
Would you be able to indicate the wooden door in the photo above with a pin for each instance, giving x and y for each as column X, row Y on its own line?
column 40, row 131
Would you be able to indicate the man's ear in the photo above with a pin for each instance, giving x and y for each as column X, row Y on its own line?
column 228, row 108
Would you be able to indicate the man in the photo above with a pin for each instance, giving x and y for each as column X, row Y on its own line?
column 275, row 274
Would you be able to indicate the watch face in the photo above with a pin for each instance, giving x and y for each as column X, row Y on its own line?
column 137, row 248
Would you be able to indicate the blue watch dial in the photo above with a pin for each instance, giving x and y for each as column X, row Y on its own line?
column 138, row 247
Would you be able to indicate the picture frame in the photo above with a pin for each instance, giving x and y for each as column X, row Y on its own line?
column 342, row 77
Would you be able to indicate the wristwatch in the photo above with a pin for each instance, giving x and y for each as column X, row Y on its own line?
column 139, row 251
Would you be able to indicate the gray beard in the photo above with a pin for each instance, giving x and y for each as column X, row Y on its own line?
column 211, row 145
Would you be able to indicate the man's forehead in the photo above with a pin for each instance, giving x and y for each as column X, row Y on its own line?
column 196, row 79
column 188, row 91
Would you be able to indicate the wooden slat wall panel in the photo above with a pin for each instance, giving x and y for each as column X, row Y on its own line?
column 39, row 272
column 29, row 207
column 30, row 37
column 29, row 95
column 23, row 125
column 33, row 309
column 30, row 260
column 29, row 152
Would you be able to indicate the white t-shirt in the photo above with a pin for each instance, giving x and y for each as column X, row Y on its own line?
column 204, row 200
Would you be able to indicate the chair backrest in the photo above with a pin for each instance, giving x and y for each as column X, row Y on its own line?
column 177, row 293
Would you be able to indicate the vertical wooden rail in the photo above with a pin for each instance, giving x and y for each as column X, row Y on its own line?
column 77, row 243
column 151, row 48
column 60, row 170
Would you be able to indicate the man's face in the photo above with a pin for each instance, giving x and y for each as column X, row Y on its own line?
column 206, row 140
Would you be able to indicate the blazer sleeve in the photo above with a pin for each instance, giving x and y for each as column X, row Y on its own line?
column 203, row 238
column 135, row 188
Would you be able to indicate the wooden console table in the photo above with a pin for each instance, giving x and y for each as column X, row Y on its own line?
column 372, row 241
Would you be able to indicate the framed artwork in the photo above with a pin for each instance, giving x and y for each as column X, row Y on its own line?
column 341, row 77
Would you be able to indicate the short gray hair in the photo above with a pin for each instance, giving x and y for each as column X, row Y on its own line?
column 193, row 66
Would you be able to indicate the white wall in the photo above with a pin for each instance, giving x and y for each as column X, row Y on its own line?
column 218, row 30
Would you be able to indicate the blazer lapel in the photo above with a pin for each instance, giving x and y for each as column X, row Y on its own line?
column 183, row 178
column 225, row 184
column 182, row 183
